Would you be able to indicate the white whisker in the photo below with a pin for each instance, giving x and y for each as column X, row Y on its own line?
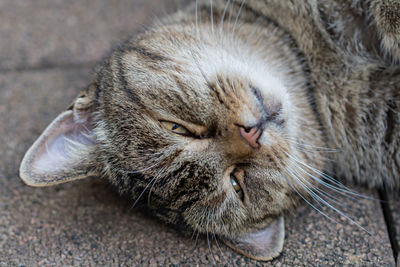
column 237, row 19
column 340, row 188
column 212, row 16
column 323, row 201
column 208, row 239
column 143, row 170
column 197, row 20
column 222, row 22
column 151, row 188
column 315, row 148
column 308, row 202
column 302, row 182
column 215, row 238
column 147, row 186
column 321, row 192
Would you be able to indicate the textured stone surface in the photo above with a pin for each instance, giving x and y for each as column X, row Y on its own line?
column 59, row 32
column 85, row 222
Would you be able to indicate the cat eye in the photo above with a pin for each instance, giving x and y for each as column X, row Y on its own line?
column 175, row 128
column 237, row 187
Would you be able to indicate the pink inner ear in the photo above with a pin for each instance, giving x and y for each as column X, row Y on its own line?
column 261, row 239
column 264, row 244
column 64, row 143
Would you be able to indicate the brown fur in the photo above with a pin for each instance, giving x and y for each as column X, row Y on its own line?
column 342, row 85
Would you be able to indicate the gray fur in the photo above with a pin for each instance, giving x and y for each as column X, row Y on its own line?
column 338, row 64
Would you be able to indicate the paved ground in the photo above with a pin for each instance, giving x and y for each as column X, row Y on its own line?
column 47, row 51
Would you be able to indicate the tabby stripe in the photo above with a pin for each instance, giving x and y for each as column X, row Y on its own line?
column 390, row 122
column 146, row 53
column 218, row 95
column 189, row 202
column 183, row 87
column 124, row 83
column 310, row 88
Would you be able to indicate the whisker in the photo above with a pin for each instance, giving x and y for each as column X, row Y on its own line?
column 308, row 202
column 143, row 170
column 237, row 18
column 141, row 194
column 231, row 12
column 317, row 198
column 222, row 22
column 195, row 233
column 199, row 68
column 216, row 239
column 250, row 37
column 208, row 239
column 198, row 18
column 309, row 151
column 339, row 188
column 212, row 16
column 151, row 189
column 317, row 148
column 214, row 236
column 147, row 186
column 325, row 194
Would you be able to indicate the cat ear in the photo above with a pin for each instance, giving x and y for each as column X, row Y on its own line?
column 262, row 245
column 63, row 151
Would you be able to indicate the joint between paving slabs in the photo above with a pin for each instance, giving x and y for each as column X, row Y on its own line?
column 48, row 66
column 390, row 224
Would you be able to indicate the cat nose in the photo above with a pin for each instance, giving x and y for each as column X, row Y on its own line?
column 251, row 135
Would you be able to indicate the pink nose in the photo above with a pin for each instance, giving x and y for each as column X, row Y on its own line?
column 251, row 136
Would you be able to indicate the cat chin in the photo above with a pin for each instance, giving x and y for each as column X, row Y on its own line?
column 262, row 245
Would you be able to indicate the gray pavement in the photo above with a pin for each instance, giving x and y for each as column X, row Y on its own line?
column 47, row 52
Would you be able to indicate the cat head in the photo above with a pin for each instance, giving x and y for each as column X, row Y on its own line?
column 205, row 128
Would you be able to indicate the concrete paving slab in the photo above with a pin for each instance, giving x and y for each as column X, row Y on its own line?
column 321, row 242
column 86, row 223
column 57, row 32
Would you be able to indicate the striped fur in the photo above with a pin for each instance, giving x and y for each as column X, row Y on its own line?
column 336, row 94
column 316, row 76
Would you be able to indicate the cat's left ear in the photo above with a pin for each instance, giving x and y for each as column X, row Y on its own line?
column 64, row 151
column 263, row 245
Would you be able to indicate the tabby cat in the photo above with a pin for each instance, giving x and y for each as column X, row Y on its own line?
column 220, row 117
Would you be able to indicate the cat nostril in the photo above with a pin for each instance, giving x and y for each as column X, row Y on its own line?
column 251, row 135
column 247, row 129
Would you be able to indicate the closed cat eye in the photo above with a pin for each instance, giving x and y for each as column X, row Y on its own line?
column 175, row 128
column 237, row 188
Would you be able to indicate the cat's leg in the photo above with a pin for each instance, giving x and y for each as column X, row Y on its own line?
column 386, row 17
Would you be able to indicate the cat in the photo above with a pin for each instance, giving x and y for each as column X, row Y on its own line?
column 220, row 117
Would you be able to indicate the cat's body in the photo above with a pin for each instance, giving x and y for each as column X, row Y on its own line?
column 221, row 118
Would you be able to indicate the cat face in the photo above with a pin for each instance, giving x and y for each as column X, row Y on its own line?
column 186, row 124
column 204, row 128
